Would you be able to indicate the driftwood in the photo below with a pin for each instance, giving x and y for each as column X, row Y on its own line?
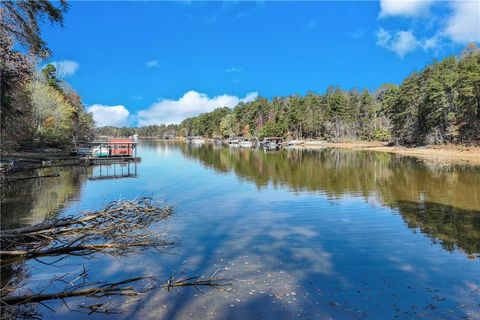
column 118, row 229
column 98, row 290
column 21, row 305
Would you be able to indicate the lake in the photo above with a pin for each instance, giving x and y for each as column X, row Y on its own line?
column 307, row 234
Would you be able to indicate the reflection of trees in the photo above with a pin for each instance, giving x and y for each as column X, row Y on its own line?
column 31, row 201
column 300, row 170
column 27, row 202
column 451, row 227
column 442, row 202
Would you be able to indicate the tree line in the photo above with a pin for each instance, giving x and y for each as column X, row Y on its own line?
column 37, row 108
column 437, row 105
column 151, row 131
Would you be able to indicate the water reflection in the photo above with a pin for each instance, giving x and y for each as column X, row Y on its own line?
column 31, row 201
column 114, row 171
column 442, row 202
column 33, row 196
column 452, row 227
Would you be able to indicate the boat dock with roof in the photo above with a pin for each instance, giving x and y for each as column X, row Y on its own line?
column 110, row 151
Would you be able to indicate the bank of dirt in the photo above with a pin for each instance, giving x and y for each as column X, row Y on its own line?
column 444, row 154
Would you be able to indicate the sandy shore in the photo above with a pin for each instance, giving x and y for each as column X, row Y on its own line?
column 445, row 154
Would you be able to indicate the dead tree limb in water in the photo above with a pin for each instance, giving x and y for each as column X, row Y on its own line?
column 118, row 229
column 94, row 290
column 18, row 304
column 98, row 290
column 80, row 286
column 212, row 281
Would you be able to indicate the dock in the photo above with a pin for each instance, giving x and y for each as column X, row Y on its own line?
column 111, row 160
column 110, row 151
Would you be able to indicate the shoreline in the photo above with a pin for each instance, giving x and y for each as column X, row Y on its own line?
column 31, row 159
column 445, row 154
column 440, row 154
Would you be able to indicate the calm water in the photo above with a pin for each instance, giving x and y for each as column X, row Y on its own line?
column 312, row 234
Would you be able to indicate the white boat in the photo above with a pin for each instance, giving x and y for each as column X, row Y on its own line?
column 272, row 143
column 295, row 142
column 198, row 141
column 233, row 143
column 100, row 151
column 195, row 140
column 246, row 144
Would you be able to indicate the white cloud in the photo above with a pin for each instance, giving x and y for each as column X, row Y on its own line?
column 109, row 115
column 383, row 38
column 66, row 68
column 400, row 42
column 190, row 104
column 464, row 23
column 460, row 24
column 406, row 8
column 432, row 43
column 152, row 64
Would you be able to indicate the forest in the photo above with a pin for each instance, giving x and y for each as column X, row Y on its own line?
column 437, row 105
column 38, row 109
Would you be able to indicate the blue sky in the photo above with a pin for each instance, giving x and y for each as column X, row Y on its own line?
column 140, row 63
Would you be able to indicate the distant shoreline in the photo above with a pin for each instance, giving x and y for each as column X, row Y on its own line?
column 433, row 153
column 446, row 154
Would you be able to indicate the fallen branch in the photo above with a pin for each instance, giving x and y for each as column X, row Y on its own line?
column 118, row 229
column 87, row 249
column 81, row 287
column 212, row 281
column 137, row 213
column 110, row 289
column 24, row 305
